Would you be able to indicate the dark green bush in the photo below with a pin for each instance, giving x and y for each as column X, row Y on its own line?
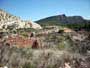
column 28, row 65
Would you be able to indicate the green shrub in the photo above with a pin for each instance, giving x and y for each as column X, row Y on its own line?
column 61, row 46
column 28, row 65
column 24, row 34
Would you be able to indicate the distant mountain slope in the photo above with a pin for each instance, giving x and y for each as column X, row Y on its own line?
column 62, row 19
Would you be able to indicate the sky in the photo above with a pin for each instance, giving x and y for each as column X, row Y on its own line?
column 38, row 9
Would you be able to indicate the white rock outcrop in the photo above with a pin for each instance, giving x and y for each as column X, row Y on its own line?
column 7, row 19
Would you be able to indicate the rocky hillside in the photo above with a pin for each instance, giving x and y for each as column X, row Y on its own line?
column 53, row 46
column 59, row 50
column 7, row 20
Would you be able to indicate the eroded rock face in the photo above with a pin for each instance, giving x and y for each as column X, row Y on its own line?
column 7, row 20
column 36, row 26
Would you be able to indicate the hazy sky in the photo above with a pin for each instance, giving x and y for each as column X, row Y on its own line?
column 38, row 9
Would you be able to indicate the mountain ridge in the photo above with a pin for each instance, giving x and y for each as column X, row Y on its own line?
column 63, row 19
